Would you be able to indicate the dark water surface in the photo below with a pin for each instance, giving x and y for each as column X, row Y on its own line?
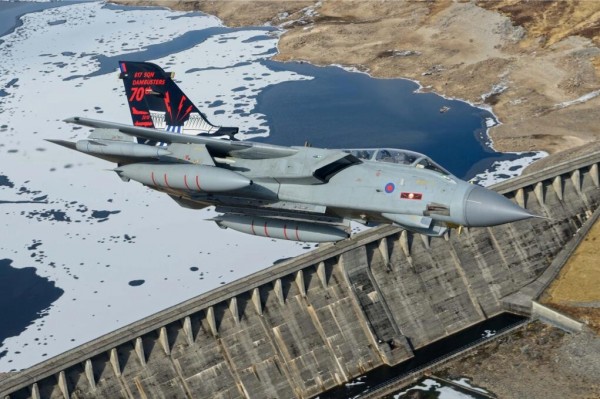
column 341, row 109
column 186, row 41
column 24, row 297
column 10, row 12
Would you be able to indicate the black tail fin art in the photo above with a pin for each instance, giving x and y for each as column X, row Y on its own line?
column 155, row 101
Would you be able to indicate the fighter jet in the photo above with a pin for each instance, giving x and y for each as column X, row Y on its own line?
column 294, row 193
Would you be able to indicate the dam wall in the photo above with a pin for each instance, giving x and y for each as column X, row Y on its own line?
column 306, row 325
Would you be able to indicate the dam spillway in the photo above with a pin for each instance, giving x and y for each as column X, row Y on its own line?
column 311, row 323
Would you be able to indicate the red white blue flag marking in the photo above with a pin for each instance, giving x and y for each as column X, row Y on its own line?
column 412, row 196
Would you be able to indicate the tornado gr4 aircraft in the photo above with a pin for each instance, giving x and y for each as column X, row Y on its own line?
column 292, row 193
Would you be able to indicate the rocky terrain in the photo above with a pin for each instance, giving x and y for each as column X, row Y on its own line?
column 538, row 361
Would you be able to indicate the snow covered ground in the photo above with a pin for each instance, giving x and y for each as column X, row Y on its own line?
column 86, row 230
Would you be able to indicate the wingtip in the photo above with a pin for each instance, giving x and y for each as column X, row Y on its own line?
column 63, row 143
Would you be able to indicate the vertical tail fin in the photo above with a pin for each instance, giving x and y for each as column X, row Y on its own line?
column 155, row 101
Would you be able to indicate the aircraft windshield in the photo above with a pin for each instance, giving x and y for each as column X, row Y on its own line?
column 402, row 157
column 426, row 163
column 362, row 154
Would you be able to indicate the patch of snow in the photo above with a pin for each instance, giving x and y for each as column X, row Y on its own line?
column 489, row 122
column 311, row 11
column 466, row 382
column 307, row 15
column 580, row 100
column 430, row 385
column 488, row 333
column 502, row 170
column 496, row 89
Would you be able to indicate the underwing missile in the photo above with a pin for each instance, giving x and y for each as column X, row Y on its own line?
column 118, row 148
column 184, row 177
column 283, row 229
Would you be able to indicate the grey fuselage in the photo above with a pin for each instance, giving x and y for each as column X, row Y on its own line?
column 358, row 190
column 368, row 191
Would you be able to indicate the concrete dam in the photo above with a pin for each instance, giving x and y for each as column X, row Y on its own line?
column 301, row 327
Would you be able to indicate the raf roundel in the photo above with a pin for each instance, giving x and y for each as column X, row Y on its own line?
column 389, row 188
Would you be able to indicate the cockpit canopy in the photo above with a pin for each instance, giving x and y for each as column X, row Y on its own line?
column 394, row 155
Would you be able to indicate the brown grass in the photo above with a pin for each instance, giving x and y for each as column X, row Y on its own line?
column 551, row 21
column 576, row 291
column 579, row 280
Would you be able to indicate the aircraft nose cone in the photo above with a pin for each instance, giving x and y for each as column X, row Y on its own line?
column 485, row 207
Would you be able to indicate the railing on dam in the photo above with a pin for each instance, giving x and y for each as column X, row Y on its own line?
column 316, row 321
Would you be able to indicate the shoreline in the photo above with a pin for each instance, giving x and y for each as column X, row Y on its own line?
column 485, row 178
column 494, row 173
column 444, row 52
column 450, row 55
column 433, row 83
column 487, row 141
column 8, row 8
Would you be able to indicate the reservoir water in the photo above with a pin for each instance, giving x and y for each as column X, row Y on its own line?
column 338, row 108
column 24, row 297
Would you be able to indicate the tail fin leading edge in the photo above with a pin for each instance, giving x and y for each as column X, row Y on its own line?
column 155, row 101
